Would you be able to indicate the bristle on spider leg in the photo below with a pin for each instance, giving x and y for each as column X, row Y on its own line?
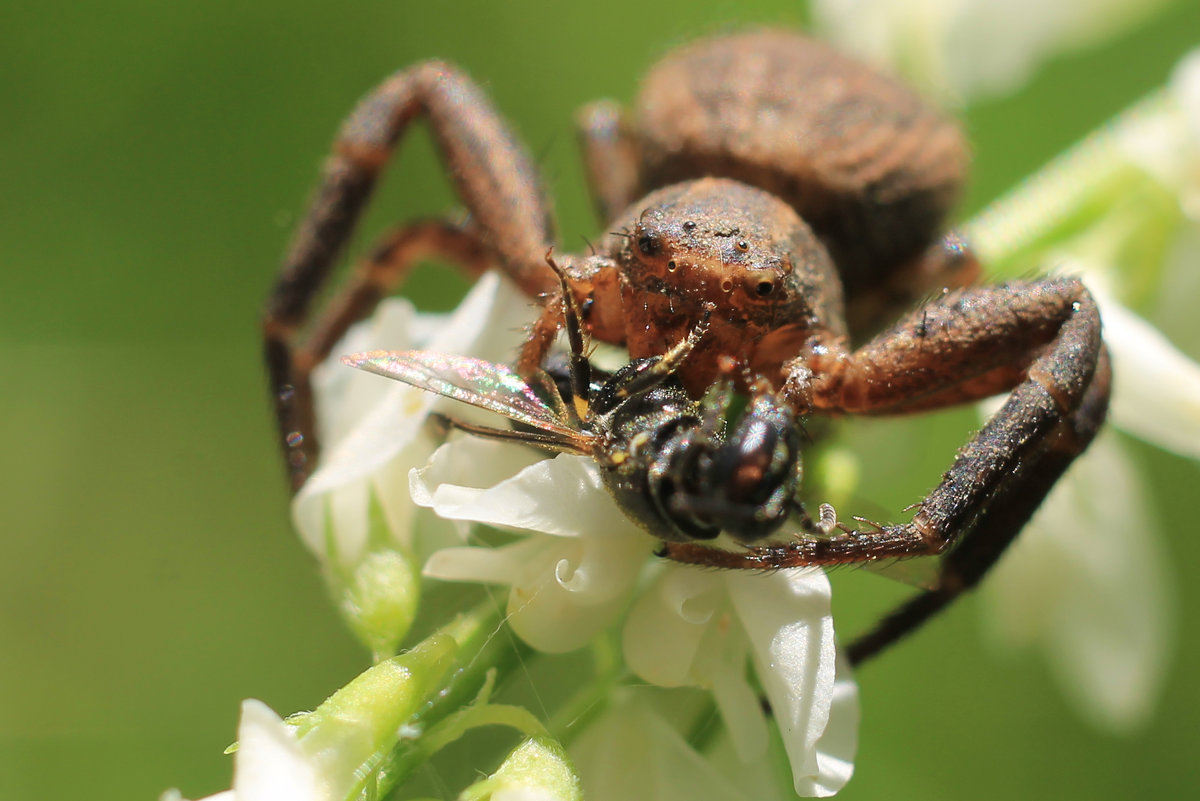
column 870, row 524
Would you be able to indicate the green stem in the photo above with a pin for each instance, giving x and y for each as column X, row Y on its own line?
column 483, row 648
column 459, row 723
column 592, row 698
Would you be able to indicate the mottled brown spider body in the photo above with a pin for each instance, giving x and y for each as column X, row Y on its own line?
column 794, row 197
column 856, row 159
column 862, row 158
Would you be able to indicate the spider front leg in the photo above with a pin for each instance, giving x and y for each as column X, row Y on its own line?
column 291, row 357
column 947, row 264
column 610, row 158
column 1042, row 340
column 1005, row 515
column 494, row 177
column 594, row 286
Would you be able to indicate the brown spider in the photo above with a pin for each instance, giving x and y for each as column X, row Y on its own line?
column 797, row 195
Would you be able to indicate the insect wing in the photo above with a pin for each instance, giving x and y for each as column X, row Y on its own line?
column 480, row 383
column 915, row 571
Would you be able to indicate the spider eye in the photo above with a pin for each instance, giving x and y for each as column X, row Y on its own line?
column 742, row 245
column 764, row 288
column 648, row 244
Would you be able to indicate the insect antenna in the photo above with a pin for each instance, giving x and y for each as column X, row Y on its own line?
column 580, row 368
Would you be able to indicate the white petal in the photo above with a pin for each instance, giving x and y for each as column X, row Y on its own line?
column 508, row 564
column 368, row 422
column 760, row 779
column 342, row 395
column 721, row 668
column 680, row 633
column 468, row 461
column 838, row 745
column 1086, row 580
column 553, row 618
column 270, row 765
column 1167, row 142
column 667, row 623
column 788, row 619
column 563, row 496
column 1156, row 388
column 1175, row 305
column 547, row 608
column 631, row 752
column 566, row 587
column 972, row 48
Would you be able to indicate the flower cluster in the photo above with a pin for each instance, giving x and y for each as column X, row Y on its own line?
column 572, row 577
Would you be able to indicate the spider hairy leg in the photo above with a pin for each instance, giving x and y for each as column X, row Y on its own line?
column 1047, row 331
column 493, row 175
column 610, row 157
column 291, row 357
column 1006, row 514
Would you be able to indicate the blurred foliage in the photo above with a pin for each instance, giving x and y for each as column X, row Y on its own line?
column 155, row 157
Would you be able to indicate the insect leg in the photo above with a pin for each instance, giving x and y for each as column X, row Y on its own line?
column 666, row 366
column 580, row 367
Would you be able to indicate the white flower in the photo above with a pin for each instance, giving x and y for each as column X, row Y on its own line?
column 637, row 733
column 575, row 572
column 1089, row 561
column 1157, row 396
column 1140, row 176
column 1086, row 582
column 354, row 512
column 972, row 48
column 1167, row 143
column 373, row 431
column 270, row 764
column 1156, row 388
column 333, row 752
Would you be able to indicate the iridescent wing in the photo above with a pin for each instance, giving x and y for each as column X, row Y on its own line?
column 480, row 383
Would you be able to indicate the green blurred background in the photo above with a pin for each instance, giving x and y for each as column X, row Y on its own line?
column 154, row 157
